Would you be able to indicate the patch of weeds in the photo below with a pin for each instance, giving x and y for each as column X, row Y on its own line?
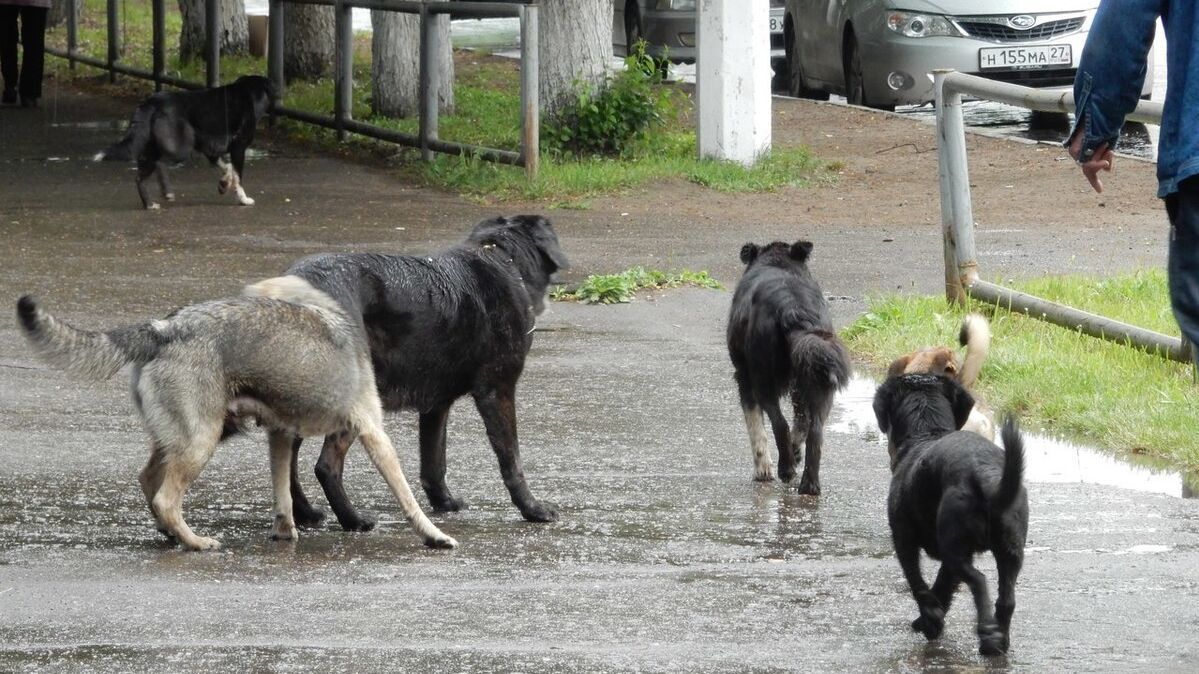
column 620, row 288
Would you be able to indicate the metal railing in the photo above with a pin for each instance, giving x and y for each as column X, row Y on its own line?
column 957, row 216
column 432, row 16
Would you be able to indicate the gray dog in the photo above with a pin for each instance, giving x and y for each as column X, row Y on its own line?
column 283, row 353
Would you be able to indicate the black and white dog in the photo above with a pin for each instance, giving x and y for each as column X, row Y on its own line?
column 439, row 328
column 781, row 340
column 953, row 494
column 218, row 123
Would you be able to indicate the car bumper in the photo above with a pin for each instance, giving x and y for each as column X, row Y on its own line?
column 915, row 59
column 672, row 35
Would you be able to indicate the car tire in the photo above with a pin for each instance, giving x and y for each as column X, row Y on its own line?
column 792, row 73
column 855, row 85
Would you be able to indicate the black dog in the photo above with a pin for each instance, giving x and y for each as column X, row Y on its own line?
column 439, row 328
column 218, row 123
column 954, row 494
column 781, row 339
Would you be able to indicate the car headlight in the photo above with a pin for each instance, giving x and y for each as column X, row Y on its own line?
column 920, row 25
column 676, row 4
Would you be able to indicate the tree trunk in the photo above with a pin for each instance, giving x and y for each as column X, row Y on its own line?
column 308, row 43
column 576, row 45
column 395, row 65
column 57, row 16
column 235, row 30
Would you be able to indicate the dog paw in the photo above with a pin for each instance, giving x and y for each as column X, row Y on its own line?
column 786, row 475
column 203, row 544
column 283, row 529
column 153, row 206
column 540, row 512
column 991, row 641
column 447, row 504
column 441, row 542
column 244, row 200
column 169, row 196
column 809, row 486
column 222, row 186
column 308, row 518
column 930, row 624
column 763, row 473
column 362, row 523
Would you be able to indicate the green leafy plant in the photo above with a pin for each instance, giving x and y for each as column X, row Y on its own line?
column 620, row 288
column 605, row 120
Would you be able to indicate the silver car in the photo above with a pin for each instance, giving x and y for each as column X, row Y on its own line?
column 668, row 28
column 882, row 53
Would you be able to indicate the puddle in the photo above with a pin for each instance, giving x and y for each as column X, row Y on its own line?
column 1047, row 460
column 105, row 125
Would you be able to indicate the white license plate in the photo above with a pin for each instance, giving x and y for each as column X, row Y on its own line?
column 776, row 23
column 1019, row 58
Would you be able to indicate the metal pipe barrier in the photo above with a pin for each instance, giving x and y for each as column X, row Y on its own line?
column 432, row 16
column 957, row 217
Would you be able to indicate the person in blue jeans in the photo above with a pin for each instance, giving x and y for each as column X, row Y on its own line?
column 1106, row 88
column 26, row 18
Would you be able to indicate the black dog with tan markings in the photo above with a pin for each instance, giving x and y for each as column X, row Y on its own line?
column 218, row 123
column 441, row 327
column 953, row 494
column 781, row 340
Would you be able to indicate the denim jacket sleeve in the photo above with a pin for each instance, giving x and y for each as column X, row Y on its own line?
column 1112, row 68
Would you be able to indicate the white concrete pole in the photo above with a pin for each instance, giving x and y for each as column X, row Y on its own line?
column 732, row 79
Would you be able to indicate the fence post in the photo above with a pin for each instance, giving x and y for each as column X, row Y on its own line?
column 430, row 84
column 114, row 38
column 957, row 217
column 72, row 32
column 274, row 51
column 212, row 41
column 159, row 18
column 343, row 77
column 530, row 102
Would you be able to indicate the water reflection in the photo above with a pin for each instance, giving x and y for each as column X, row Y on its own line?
column 1047, row 460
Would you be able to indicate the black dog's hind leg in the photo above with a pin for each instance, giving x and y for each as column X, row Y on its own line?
column 931, row 613
column 164, row 185
column 301, row 509
column 498, row 409
column 328, row 470
column 990, row 639
column 782, row 439
column 763, row 467
column 432, row 460
column 1008, row 565
column 943, row 588
column 145, row 169
column 237, row 156
column 818, row 413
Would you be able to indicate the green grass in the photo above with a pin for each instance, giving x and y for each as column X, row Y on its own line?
column 487, row 107
column 621, row 288
column 1061, row 381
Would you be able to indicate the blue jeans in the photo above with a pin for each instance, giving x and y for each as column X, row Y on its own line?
column 1183, row 209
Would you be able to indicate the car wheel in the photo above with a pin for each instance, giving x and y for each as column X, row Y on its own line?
column 855, row 83
column 793, row 70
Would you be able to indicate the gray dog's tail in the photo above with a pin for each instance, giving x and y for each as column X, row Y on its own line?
column 819, row 360
column 95, row 355
column 136, row 136
column 1013, row 467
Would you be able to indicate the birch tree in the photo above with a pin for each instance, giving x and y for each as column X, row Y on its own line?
column 235, row 29
column 308, row 44
column 576, row 45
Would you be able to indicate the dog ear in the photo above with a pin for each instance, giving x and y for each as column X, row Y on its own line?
column 960, row 400
column 882, row 405
column 547, row 241
column 800, row 250
column 899, row 365
column 749, row 252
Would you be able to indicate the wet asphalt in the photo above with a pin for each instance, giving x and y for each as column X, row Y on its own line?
column 667, row 556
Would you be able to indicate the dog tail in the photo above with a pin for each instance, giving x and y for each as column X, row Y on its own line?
column 136, row 136
column 975, row 335
column 1013, row 467
column 94, row 355
column 819, row 359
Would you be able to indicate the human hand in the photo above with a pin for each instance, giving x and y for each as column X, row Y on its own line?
column 1103, row 160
